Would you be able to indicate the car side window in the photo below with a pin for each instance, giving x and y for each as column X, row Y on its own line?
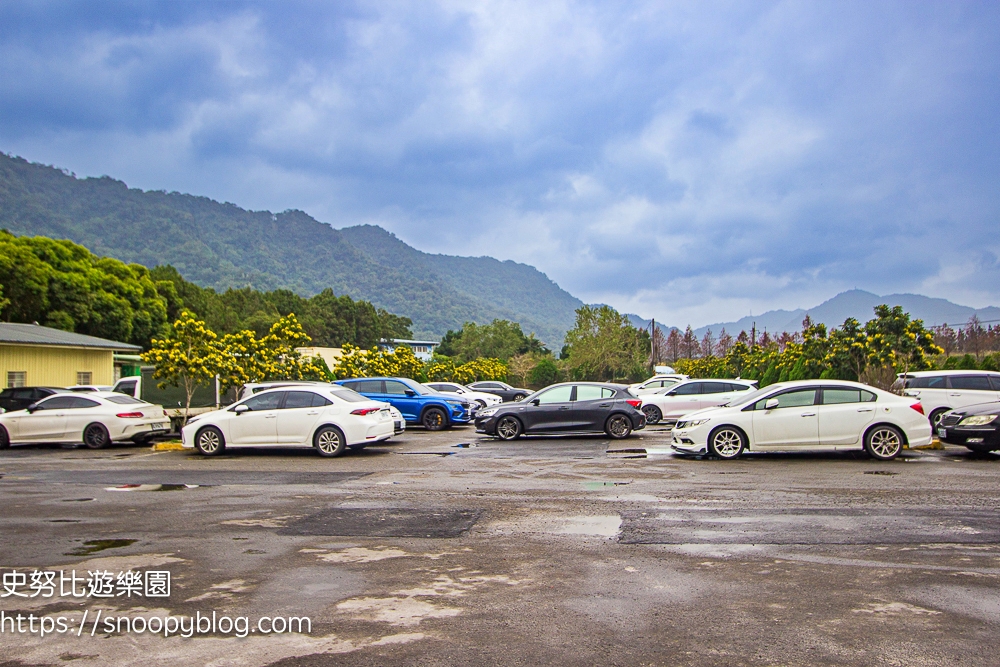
column 689, row 389
column 56, row 403
column 927, row 382
column 22, row 394
column 971, row 382
column 714, row 387
column 556, row 395
column 126, row 388
column 320, row 401
column 587, row 392
column 608, row 393
column 78, row 403
column 836, row 396
column 489, row 385
column 368, row 387
column 298, row 399
column 995, row 381
column 260, row 402
column 396, row 388
column 791, row 399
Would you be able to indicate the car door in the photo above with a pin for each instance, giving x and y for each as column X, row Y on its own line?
column 79, row 414
column 592, row 406
column 793, row 423
column 681, row 400
column 967, row 390
column 259, row 424
column 714, row 394
column 553, row 410
column 47, row 422
column 298, row 416
column 844, row 413
column 408, row 404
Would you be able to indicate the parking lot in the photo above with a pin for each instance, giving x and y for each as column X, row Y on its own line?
column 447, row 548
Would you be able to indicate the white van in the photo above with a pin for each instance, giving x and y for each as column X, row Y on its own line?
column 941, row 391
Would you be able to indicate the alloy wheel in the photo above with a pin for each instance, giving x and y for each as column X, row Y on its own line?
column 508, row 428
column 727, row 443
column 884, row 443
column 209, row 442
column 328, row 442
column 619, row 426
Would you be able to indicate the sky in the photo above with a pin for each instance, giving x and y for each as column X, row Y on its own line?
column 692, row 161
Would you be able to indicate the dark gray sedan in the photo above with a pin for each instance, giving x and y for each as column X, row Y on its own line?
column 570, row 407
column 501, row 389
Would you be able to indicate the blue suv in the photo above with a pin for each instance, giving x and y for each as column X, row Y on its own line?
column 418, row 404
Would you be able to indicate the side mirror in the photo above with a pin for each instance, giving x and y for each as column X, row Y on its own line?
column 411, row 393
column 241, row 408
column 31, row 408
column 771, row 404
column 535, row 401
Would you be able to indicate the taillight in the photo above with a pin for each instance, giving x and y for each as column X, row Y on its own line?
column 129, row 415
column 634, row 402
column 364, row 411
column 919, row 408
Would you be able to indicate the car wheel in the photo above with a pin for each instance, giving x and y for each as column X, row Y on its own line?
column 519, row 397
column 329, row 441
column 4, row 438
column 508, row 428
column 434, row 419
column 481, row 402
column 653, row 414
column 618, row 427
column 210, row 441
column 884, row 442
column 935, row 418
column 96, row 436
column 726, row 442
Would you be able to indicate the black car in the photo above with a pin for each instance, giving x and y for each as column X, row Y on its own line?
column 501, row 389
column 570, row 407
column 18, row 398
column 976, row 427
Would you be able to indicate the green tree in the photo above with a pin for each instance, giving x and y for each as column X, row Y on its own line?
column 898, row 342
column 849, row 351
column 605, row 346
column 544, row 373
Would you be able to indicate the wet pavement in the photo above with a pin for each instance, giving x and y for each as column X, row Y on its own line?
column 450, row 549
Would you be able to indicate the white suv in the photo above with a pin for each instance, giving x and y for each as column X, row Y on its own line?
column 941, row 391
column 656, row 383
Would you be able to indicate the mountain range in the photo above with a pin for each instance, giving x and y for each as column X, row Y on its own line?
column 221, row 245
column 855, row 303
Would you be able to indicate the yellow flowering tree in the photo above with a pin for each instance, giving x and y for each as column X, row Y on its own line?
column 188, row 357
column 359, row 363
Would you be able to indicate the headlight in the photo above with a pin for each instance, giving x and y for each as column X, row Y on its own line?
column 977, row 420
column 488, row 412
column 691, row 423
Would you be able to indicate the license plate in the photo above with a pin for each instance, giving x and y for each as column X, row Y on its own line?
column 942, row 433
column 157, row 427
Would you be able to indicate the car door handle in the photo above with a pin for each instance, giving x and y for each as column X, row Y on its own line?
column 604, row 405
column 954, row 394
column 270, row 416
column 866, row 409
column 313, row 412
column 808, row 414
column 564, row 407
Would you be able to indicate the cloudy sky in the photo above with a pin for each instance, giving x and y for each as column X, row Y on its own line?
column 689, row 161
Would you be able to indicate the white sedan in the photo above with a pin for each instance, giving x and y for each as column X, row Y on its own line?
column 672, row 403
column 95, row 419
column 485, row 400
column 656, row 383
column 826, row 415
column 329, row 418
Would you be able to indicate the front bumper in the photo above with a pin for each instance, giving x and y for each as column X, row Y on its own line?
column 690, row 440
column 977, row 436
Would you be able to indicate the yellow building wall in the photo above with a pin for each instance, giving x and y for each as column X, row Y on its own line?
column 47, row 365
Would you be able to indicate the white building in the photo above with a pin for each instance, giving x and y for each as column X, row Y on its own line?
column 422, row 349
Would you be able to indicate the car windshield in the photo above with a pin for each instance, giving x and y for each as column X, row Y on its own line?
column 348, row 395
column 421, row 389
column 752, row 396
column 123, row 399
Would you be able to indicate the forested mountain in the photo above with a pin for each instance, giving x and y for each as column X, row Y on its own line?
column 221, row 245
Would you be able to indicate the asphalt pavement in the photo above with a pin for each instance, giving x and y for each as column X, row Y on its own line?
column 451, row 549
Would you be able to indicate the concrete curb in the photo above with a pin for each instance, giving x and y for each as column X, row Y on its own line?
column 168, row 446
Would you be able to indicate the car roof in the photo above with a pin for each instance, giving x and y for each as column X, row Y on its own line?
column 920, row 374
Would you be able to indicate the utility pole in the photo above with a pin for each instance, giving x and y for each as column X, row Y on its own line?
column 753, row 335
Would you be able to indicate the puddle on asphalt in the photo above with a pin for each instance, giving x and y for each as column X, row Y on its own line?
column 65, row 520
column 594, row 486
column 153, row 487
column 465, row 445
column 429, row 453
column 77, row 500
column 94, row 546
column 879, row 472
column 604, row 525
column 254, row 552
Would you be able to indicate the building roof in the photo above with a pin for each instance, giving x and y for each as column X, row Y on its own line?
column 34, row 334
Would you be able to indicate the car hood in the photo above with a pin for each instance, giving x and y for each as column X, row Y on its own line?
column 979, row 409
column 704, row 412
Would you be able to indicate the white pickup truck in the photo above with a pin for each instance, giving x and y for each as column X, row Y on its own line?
column 144, row 387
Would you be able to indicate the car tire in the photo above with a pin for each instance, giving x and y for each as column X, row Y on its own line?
column 935, row 418
column 518, row 397
column 4, row 438
column 726, row 443
column 653, row 414
column 509, row 428
column 329, row 441
column 481, row 402
column 434, row 419
column 883, row 442
column 96, row 436
column 618, row 427
column 209, row 441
